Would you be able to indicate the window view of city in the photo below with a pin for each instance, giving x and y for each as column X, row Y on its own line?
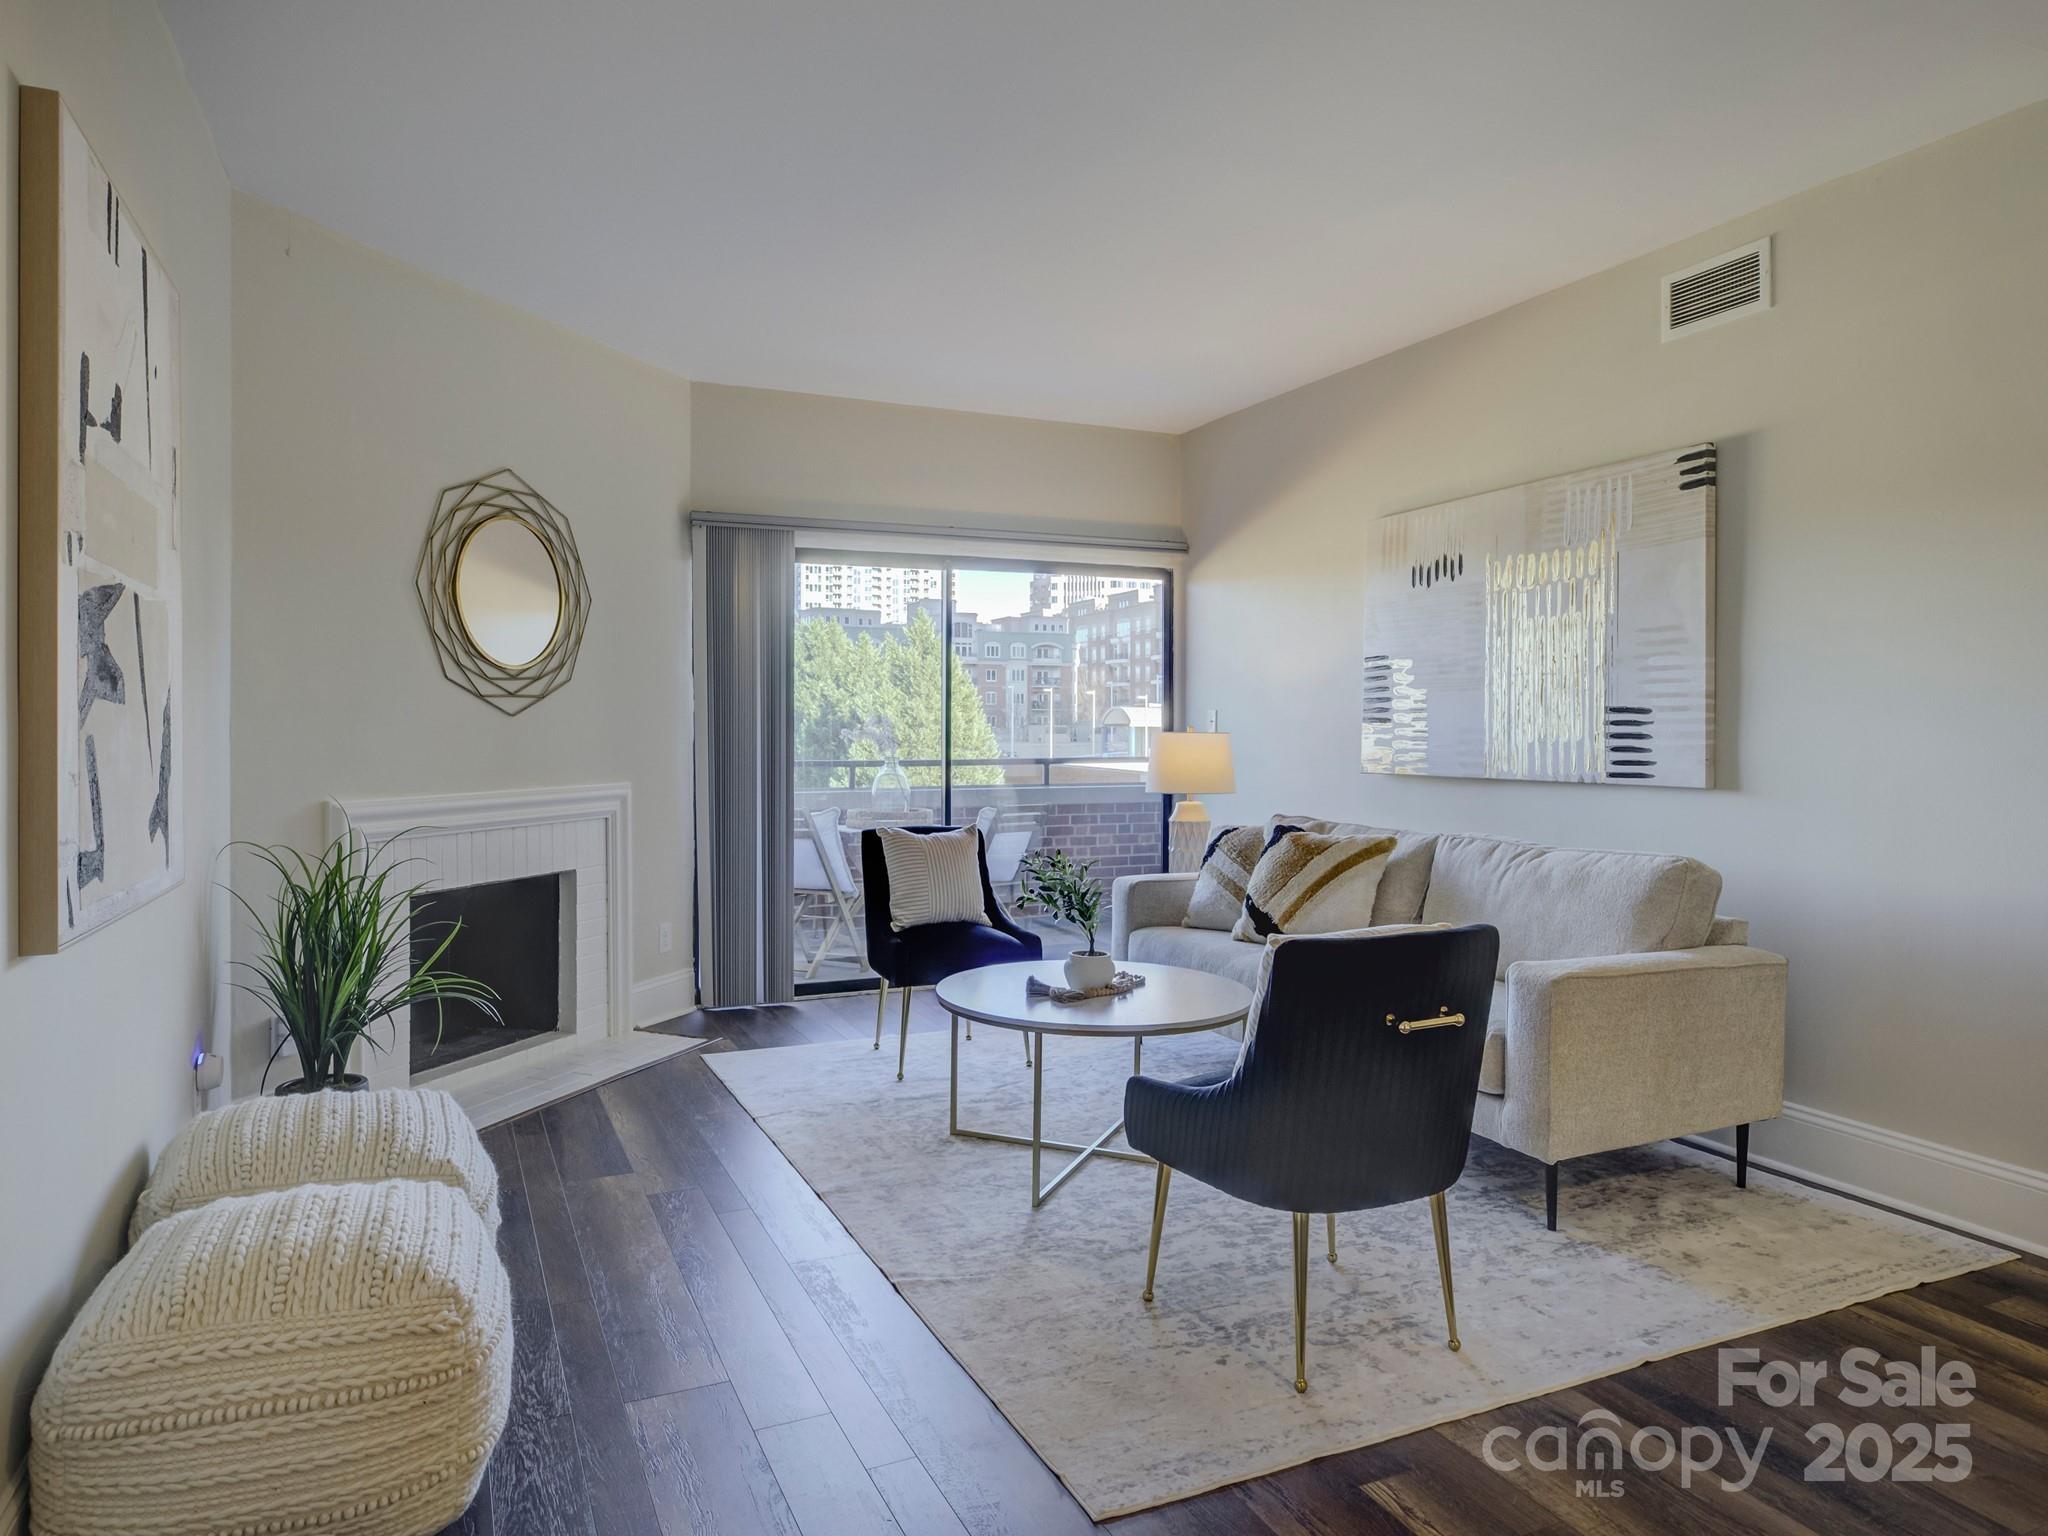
column 1020, row 701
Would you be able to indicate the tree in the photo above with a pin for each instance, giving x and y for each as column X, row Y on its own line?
column 857, row 698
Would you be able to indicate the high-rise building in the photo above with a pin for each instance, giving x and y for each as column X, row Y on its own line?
column 1119, row 648
column 890, row 590
column 1055, row 591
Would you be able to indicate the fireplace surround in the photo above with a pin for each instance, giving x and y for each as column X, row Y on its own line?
column 481, row 839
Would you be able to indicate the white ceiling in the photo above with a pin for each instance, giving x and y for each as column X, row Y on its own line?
column 1136, row 212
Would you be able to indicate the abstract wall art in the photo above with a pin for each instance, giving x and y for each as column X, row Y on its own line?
column 101, row 695
column 1559, row 630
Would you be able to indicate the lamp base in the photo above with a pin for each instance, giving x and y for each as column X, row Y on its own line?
column 1187, row 835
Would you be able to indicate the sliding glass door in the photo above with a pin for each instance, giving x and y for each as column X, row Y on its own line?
column 1019, row 698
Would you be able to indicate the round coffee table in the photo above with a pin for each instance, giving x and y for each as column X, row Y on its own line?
column 1175, row 1000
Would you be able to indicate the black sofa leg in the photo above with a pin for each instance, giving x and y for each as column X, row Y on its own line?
column 1742, row 1156
column 1550, row 1195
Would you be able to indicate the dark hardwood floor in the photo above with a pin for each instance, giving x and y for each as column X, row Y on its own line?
column 702, row 1348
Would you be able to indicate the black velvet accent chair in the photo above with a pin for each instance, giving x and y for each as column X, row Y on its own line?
column 1356, row 1091
column 926, row 955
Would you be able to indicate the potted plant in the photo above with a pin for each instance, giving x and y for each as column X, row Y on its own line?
column 1056, row 884
column 336, row 958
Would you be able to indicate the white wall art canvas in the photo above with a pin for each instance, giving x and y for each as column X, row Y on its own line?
column 101, row 681
column 1559, row 630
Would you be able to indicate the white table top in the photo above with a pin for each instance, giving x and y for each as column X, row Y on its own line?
column 1175, row 1000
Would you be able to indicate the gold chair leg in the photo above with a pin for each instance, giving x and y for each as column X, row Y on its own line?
column 881, row 1002
column 1158, row 1216
column 903, row 1034
column 1441, row 1221
column 1330, row 1218
column 1301, row 1301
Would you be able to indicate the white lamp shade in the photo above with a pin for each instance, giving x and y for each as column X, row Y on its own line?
column 1190, row 763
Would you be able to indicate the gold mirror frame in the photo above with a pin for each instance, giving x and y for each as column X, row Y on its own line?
column 459, row 513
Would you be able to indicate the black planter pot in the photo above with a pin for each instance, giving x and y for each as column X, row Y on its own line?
column 354, row 1082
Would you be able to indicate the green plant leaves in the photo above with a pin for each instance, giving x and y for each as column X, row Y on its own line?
column 1057, row 884
column 335, row 956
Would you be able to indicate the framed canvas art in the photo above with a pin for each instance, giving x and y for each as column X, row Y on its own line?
column 1559, row 630
column 101, row 817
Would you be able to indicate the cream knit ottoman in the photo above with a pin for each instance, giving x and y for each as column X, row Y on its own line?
column 320, row 1138
column 336, row 1357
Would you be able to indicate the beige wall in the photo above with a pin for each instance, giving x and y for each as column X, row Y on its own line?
column 96, row 1042
column 818, row 456
column 1884, row 535
column 363, row 386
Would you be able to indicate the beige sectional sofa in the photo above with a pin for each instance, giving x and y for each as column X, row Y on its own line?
column 1625, row 1010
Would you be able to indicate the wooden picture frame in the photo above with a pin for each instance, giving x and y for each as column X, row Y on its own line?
column 100, row 816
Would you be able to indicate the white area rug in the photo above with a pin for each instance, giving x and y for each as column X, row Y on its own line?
column 1135, row 1405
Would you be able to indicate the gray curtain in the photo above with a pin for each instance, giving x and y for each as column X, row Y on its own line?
column 749, row 613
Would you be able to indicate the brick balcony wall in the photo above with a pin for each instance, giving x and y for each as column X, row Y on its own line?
column 1120, row 837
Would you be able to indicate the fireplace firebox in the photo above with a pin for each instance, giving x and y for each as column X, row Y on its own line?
column 511, row 939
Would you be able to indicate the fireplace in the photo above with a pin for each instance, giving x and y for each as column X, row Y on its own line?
column 508, row 934
column 508, row 847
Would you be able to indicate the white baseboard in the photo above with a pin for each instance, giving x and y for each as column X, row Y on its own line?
column 661, row 998
column 2000, row 1202
column 14, row 1503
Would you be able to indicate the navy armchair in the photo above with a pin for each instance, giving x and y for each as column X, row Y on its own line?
column 1355, row 1091
column 926, row 955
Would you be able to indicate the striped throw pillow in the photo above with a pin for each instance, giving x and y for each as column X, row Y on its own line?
column 1227, row 865
column 934, row 877
column 1312, row 882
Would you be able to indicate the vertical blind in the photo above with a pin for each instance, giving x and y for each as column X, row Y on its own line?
column 749, row 616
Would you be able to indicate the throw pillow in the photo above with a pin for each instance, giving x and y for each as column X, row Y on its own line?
column 1312, row 882
column 934, row 877
column 1227, row 864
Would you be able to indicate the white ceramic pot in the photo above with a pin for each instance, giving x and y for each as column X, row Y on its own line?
column 1085, row 973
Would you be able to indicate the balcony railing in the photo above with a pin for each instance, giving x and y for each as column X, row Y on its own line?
column 1049, row 772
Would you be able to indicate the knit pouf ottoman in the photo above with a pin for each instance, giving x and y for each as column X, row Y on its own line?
column 320, row 1138
column 336, row 1357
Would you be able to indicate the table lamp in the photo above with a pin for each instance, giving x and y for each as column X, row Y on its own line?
column 1189, row 763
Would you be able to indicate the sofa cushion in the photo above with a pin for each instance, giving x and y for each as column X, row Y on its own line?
column 1567, row 903
column 1405, row 881
column 1493, row 1065
column 1312, row 882
column 1203, row 949
column 276, row 1142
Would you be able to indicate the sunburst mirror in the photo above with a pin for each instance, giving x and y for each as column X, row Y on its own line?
column 503, row 592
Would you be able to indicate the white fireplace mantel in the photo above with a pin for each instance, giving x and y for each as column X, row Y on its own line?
column 469, row 839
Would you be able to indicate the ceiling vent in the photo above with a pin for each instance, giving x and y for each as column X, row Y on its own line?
column 1731, row 285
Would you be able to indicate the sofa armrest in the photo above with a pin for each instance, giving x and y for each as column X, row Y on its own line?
column 1618, row 1050
column 1728, row 930
column 1146, row 901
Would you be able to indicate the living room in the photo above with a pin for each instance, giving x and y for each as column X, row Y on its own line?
column 1134, row 767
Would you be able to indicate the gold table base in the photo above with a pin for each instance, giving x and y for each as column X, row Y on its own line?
column 1037, row 1141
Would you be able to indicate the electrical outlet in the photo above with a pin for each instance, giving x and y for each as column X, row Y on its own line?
column 666, row 937
column 1212, row 719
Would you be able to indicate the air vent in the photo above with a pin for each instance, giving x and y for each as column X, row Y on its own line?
column 1732, row 285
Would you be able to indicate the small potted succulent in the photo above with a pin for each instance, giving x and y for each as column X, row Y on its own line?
column 1057, row 885
column 336, row 958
